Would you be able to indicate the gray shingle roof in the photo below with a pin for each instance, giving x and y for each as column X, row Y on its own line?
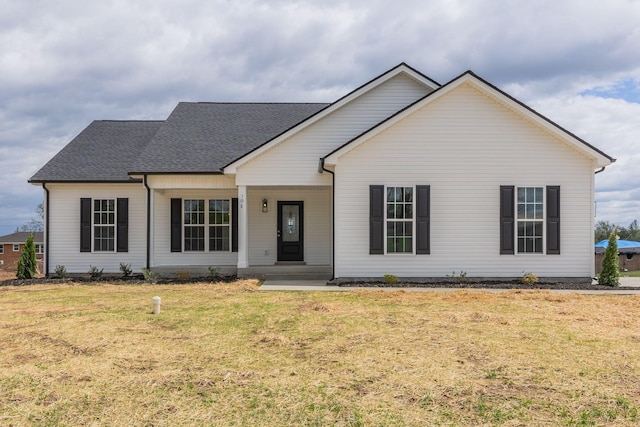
column 104, row 151
column 21, row 236
column 205, row 137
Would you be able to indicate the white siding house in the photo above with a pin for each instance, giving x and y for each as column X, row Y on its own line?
column 401, row 176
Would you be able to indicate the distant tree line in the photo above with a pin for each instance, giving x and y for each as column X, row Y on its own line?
column 605, row 228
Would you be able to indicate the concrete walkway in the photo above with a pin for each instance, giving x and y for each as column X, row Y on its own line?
column 321, row 285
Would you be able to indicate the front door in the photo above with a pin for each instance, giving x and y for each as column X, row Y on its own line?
column 290, row 231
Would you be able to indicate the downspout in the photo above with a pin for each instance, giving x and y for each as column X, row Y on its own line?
column 46, row 230
column 148, row 220
column 322, row 169
column 598, row 171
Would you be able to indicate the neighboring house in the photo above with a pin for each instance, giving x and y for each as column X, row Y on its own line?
column 628, row 255
column 11, row 245
column 401, row 176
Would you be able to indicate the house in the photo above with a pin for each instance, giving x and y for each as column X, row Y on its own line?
column 628, row 255
column 400, row 176
column 11, row 246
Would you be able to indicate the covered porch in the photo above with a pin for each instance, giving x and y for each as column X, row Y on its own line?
column 269, row 232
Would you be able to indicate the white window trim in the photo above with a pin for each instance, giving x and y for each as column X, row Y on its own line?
column 1, row 248
column 413, row 222
column 16, row 246
column 543, row 220
column 94, row 225
column 206, row 225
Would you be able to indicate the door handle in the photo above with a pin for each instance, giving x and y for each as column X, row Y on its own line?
column 278, row 233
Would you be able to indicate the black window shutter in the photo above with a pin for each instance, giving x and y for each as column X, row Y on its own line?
column 176, row 225
column 123, row 225
column 507, row 220
column 234, row 224
column 423, row 193
column 85, row 225
column 553, row 220
column 376, row 219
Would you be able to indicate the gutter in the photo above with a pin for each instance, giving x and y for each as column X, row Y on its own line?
column 46, row 230
column 144, row 180
column 598, row 171
column 322, row 169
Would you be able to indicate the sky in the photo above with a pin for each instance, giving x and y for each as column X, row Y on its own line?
column 66, row 63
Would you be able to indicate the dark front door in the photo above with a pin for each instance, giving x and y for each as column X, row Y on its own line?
column 290, row 231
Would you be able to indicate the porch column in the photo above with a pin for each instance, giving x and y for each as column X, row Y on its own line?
column 243, row 228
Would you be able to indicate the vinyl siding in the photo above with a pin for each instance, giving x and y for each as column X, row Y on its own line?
column 317, row 223
column 464, row 146
column 64, row 231
column 296, row 159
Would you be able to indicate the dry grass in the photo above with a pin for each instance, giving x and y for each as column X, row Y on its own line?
column 228, row 355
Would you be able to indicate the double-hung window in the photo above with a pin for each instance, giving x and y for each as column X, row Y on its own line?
column 16, row 248
column 207, row 225
column 1, row 248
column 530, row 218
column 219, row 225
column 399, row 218
column 194, row 225
column 39, row 248
column 104, row 225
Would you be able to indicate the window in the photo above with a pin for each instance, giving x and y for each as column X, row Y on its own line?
column 207, row 223
column 399, row 215
column 530, row 214
column 104, row 225
column 219, row 225
column 39, row 249
column 1, row 249
column 194, row 220
column 16, row 248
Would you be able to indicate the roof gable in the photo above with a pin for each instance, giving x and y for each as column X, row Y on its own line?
column 402, row 68
column 494, row 93
column 204, row 137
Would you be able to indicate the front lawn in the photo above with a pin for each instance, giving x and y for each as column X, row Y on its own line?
column 226, row 354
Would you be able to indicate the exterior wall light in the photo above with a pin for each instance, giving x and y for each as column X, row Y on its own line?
column 265, row 205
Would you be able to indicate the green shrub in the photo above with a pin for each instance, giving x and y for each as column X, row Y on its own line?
column 458, row 278
column 61, row 271
column 125, row 269
column 27, row 264
column 147, row 274
column 214, row 273
column 610, row 274
column 390, row 279
column 94, row 273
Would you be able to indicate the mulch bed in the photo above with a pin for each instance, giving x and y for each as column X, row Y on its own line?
column 117, row 280
column 139, row 280
column 493, row 285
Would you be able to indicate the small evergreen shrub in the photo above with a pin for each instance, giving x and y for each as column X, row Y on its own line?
column 610, row 274
column 94, row 273
column 27, row 264
column 61, row 271
column 390, row 279
column 214, row 274
column 125, row 269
